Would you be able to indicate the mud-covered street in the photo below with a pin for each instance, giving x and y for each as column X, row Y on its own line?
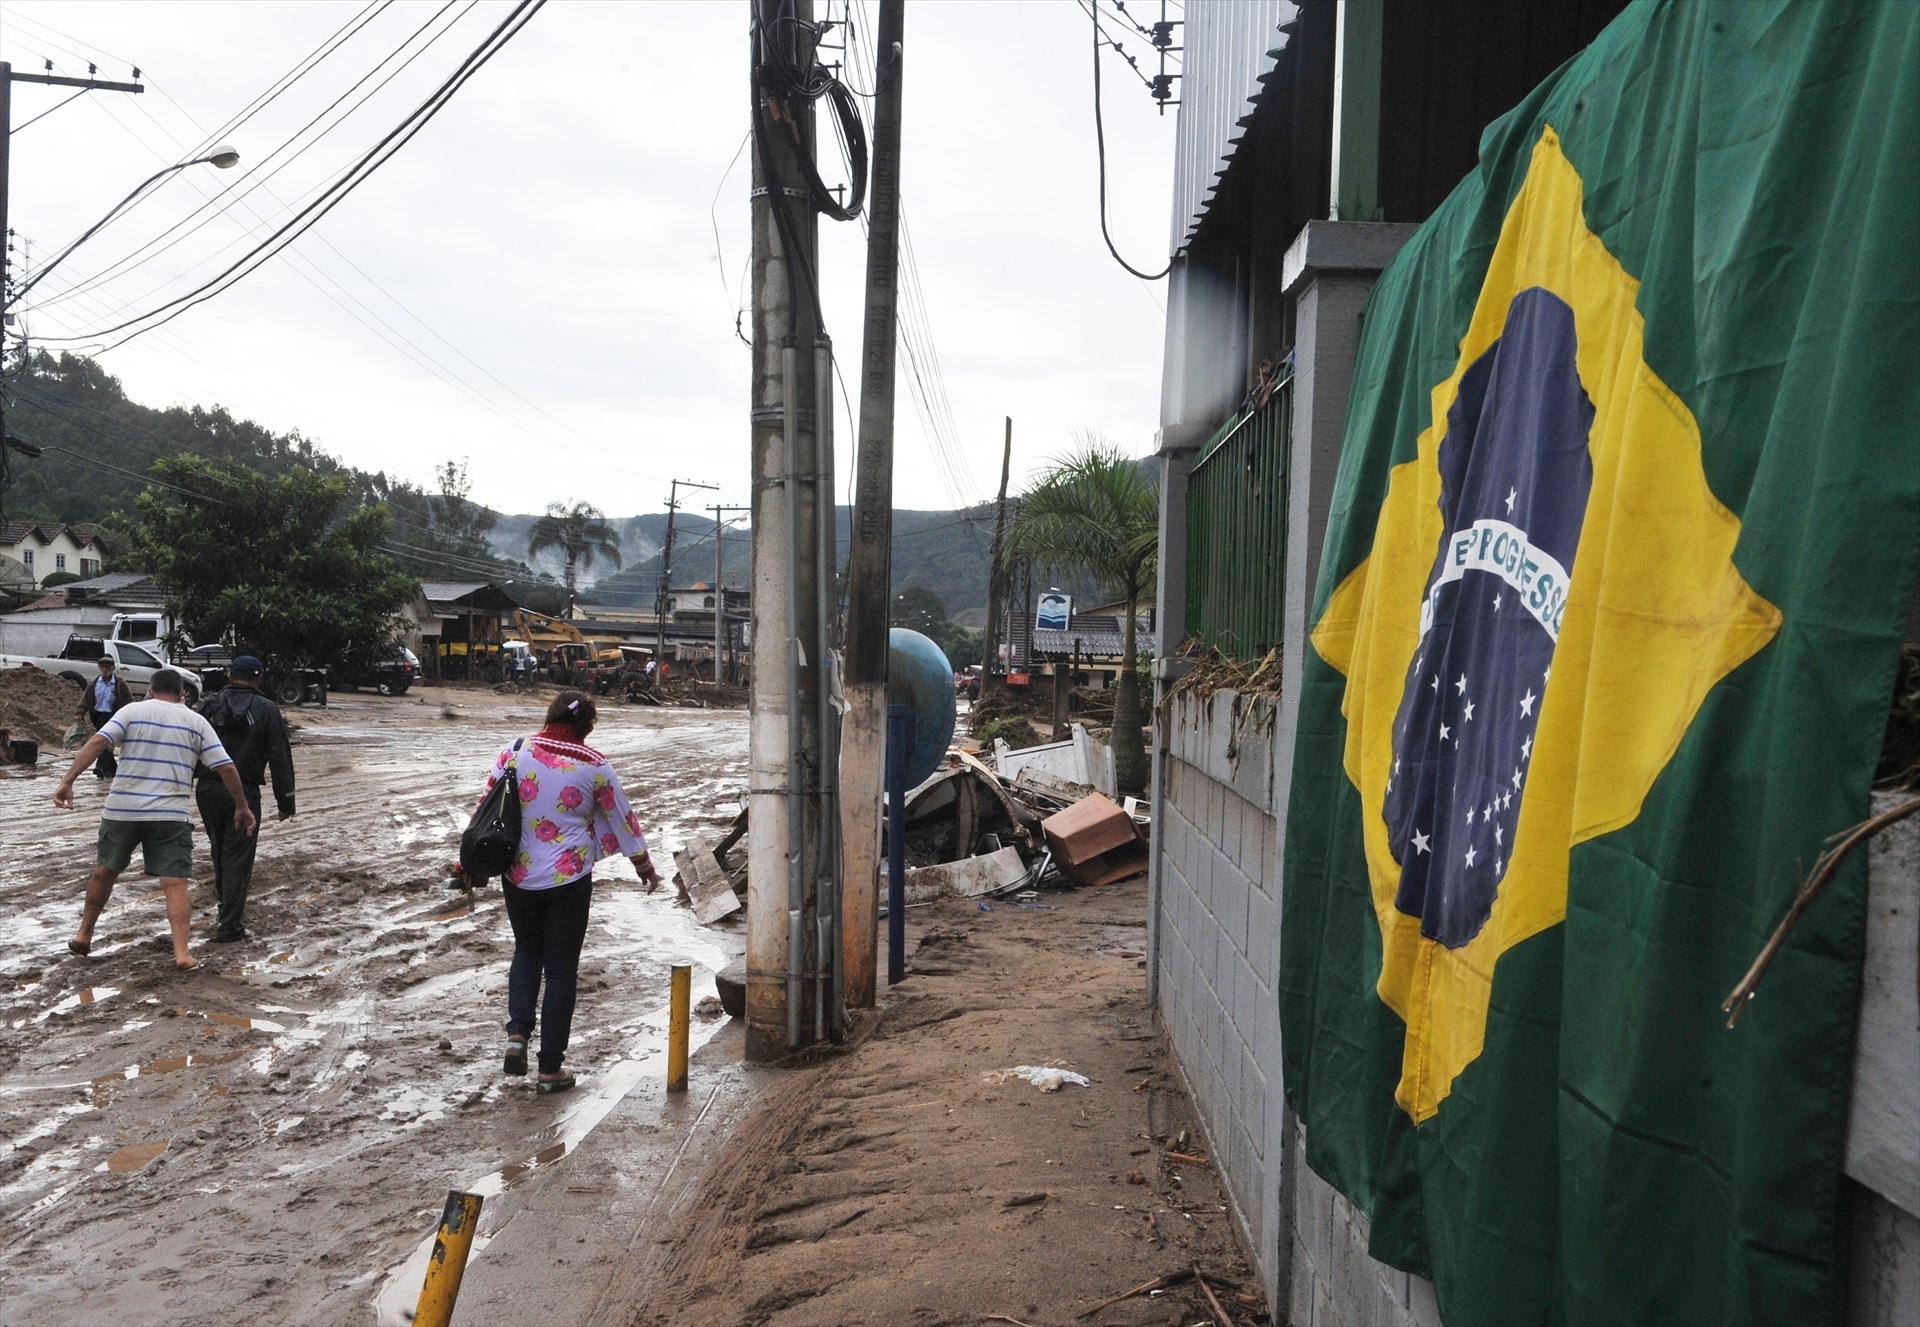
column 273, row 1134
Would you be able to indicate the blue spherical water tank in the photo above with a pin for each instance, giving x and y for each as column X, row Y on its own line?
column 919, row 677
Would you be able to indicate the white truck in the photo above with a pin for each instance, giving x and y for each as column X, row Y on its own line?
column 46, row 631
column 79, row 661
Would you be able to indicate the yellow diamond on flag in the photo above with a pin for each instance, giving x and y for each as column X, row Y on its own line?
column 1549, row 597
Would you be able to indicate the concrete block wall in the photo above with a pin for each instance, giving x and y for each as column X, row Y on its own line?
column 1334, row 1282
column 1217, row 930
column 1883, row 1125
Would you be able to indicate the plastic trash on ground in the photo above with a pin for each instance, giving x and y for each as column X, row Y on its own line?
column 1046, row 1078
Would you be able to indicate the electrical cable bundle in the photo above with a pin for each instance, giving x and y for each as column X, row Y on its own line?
column 786, row 75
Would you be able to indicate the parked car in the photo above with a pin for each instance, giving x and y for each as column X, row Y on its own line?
column 391, row 676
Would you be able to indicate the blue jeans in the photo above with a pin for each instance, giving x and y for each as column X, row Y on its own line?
column 549, row 926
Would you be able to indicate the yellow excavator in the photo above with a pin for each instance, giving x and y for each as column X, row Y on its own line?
column 569, row 654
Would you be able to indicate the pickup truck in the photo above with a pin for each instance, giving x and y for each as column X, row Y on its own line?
column 78, row 661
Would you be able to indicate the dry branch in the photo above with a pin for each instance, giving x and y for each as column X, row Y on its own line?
column 1824, row 869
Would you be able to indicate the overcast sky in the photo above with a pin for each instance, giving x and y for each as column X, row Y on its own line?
column 535, row 283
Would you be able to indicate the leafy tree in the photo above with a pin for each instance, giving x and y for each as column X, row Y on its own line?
column 919, row 609
column 1095, row 514
column 287, row 565
column 965, row 647
column 578, row 530
column 458, row 522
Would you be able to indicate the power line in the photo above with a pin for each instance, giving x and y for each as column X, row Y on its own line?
column 335, row 193
column 252, row 180
column 1100, row 138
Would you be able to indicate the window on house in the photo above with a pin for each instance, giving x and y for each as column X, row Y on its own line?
column 26, row 558
column 89, row 567
column 59, row 561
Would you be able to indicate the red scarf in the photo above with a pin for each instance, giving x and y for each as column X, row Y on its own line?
column 562, row 735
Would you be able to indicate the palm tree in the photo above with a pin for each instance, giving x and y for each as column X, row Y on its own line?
column 1094, row 513
column 580, row 531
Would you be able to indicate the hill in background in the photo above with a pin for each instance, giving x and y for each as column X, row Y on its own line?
column 97, row 446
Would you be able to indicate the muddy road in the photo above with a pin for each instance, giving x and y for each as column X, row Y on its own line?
column 273, row 1134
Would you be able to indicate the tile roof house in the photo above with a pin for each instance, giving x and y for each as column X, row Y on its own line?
column 47, row 547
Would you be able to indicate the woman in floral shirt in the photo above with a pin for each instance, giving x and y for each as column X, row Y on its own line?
column 573, row 812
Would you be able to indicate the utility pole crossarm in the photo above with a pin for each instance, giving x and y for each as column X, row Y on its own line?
column 92, row 84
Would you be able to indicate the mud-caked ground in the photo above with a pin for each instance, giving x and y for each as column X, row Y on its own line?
column 270, row 1135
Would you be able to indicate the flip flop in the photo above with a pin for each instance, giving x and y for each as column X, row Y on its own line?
column 564, row 1083
column 194, row 966
column 516, row 1057
column 79, row 948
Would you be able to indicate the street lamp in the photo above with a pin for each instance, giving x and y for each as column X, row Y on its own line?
column 223, row 157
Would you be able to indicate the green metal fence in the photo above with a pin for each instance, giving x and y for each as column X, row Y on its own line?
column 1237, row 531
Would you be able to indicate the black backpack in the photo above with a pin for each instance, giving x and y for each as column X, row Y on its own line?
column 492, row 838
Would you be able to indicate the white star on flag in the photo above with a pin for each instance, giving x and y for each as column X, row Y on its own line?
column 1498, row 836
column 1469, row 856
column 1461, row 685
column 1526, row 751
column 1435, row 683
column 1512, row 493
column 1469, row 714
column 1496, row 603
column 1421, row 842
column 1526, row 703
column 1444, row 731
column 1516, row 777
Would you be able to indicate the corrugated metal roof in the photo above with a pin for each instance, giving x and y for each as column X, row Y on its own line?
column 444, row 590
column 1230, row 45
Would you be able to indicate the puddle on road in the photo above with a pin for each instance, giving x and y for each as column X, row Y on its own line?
column 85, row 996
column 237, row 1020
column 132, row 1157
column 168, row 1065
column 394, row 1305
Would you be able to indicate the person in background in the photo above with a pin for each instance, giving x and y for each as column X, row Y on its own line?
column 160, row 742
column 105, row 697
column 255, row 736
column 573, row 812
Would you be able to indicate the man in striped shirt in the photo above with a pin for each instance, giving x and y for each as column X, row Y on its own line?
column 160, row 741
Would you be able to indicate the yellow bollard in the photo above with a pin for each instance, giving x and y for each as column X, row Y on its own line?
column 448, row 1262
column 677, row 1013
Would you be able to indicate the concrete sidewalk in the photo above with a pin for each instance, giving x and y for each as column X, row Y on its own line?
column 908, row 1177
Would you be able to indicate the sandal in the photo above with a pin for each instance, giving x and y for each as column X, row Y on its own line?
column 560, row 1083
column 79, row 948
column 516, row 1060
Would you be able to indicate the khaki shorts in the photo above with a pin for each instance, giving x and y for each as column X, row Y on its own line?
column 166, row 846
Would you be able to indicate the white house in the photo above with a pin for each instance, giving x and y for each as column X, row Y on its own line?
column 45, row 548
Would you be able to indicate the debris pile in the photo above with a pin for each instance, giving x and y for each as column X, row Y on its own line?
column 36, row 705
column 1018, row 821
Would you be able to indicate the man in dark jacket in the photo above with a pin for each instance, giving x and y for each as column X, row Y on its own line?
column 104, row 697
column 254, row 734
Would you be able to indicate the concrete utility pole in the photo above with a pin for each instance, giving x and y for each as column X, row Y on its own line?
column 990, row 655
column 720, row 632
column 791, row 892
column 870, row 540
column 665, row 592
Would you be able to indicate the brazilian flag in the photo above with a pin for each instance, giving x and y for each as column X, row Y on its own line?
column 1624, row 539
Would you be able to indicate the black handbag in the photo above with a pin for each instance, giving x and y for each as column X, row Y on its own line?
column 492, row 838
